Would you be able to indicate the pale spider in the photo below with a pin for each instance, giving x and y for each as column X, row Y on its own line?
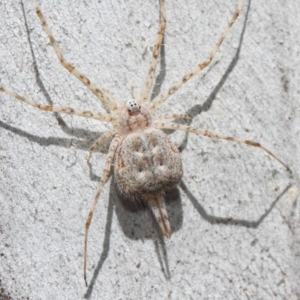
column 146, row 162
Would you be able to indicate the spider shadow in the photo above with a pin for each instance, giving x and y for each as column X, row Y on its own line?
column 77, row 132
column 162, row 72
column 136, row 219
column 137, row 222
column 83, row 137
column 199, row 108
column 230, row 221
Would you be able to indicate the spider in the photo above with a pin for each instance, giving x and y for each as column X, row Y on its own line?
column 146, row 162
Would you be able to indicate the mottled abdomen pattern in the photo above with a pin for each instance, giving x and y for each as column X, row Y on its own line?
column 146, row 162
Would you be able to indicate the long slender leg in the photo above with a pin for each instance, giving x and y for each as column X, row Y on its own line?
column 106, row 99
column 171, row 116
column 216, row 136
column 101, row 140
column 160, row 35
column 113, row 146
column 135, row 92
column 160, row 99
column 65, row 110
column 158, row 208
column 112, row 95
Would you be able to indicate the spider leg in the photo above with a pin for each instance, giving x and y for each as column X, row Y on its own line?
column 159, row 38
column 169, row 116
column 111, row 94
column 160, row 99
column 101, row 140
column 157, row 205
column 65, row 110
column 106, row 99
column 112, row 148
column 212, row 135
column 135, row 92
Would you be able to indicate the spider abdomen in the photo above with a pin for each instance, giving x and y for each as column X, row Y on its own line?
column 146, row 162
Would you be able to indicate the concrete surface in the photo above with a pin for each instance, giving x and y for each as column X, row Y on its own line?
column 236, row 219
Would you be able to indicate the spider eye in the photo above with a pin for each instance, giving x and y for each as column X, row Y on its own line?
column 133, row 107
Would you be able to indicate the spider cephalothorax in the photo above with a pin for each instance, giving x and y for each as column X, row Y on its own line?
column 134, row 117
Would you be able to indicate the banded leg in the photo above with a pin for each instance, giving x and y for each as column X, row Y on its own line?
column 112, row 95
column 111, row 152
column 157, row 205
column 160, row 99
column 169, row 116
column 105, row 98
column 219, row 137
column 151, row 72
column 65, row 110
column 100, row 141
